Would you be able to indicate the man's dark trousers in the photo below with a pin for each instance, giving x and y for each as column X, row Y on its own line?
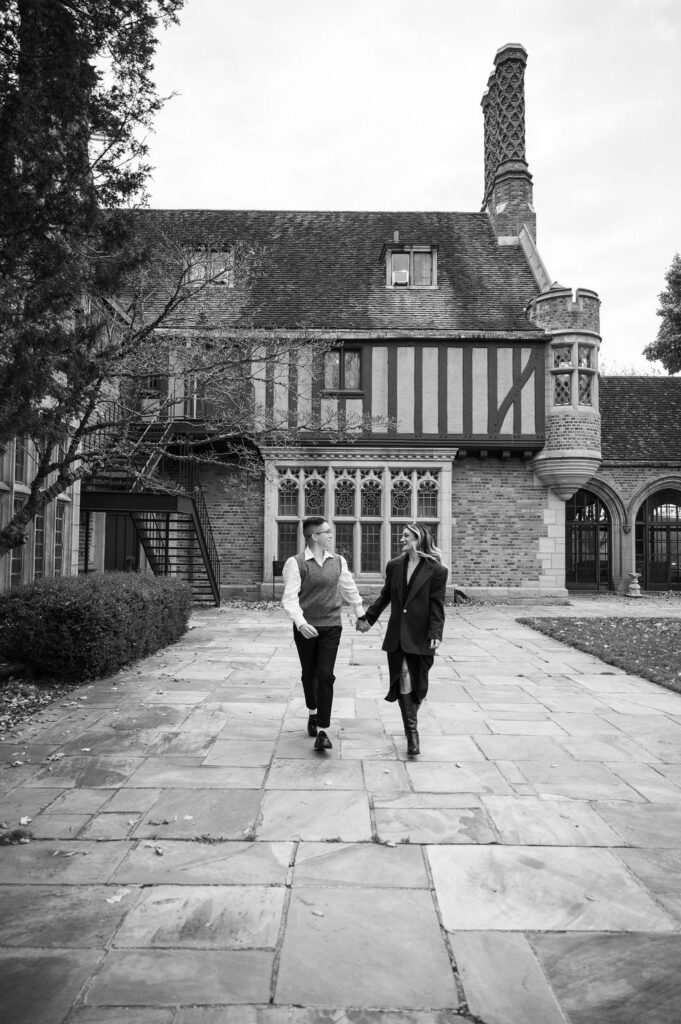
column 317, row 660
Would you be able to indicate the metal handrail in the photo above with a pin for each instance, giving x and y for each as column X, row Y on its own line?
column 206, row 532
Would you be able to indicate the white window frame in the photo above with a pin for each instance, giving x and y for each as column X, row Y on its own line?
column 409, row 250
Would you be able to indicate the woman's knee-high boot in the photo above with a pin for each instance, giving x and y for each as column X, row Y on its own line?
column 410, row 719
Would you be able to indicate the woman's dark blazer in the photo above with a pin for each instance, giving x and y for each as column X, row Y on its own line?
column 419, row 617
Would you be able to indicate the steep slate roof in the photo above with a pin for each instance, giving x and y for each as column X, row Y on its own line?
column 640, row 418
column 322, row 271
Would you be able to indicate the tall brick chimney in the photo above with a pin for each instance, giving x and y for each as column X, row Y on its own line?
column 508, row 182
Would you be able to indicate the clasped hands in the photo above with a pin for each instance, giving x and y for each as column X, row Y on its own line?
column 362, row 626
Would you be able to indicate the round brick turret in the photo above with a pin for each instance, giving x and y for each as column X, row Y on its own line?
column 572, row 450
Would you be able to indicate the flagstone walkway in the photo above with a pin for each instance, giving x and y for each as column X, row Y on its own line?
column 194, row 861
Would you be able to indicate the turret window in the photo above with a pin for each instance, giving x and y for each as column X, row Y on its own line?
column 573, row 373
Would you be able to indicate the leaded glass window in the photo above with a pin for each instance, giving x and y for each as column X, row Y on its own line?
column 371, row 498
column 567, row 361
column 400, row 504
column 315, row 493
column 426, row 504
column 585, row 381
column 288, row 497
column 371, row 547
column 562, row 356
column 368, row 508
column 344, row 542
column 561, row 389
column 585, row 357
column 345, row 498
column 287, row 540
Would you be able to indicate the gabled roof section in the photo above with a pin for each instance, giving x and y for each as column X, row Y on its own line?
column 322, row 271
column 640, row 419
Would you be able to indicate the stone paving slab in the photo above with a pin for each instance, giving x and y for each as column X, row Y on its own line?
column 194, row 861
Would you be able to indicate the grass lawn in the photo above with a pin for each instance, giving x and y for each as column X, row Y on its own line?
column 646, row 647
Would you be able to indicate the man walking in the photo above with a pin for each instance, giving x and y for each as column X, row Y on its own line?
column 315, row 584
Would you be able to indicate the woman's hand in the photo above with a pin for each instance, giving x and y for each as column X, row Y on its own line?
column 362, row 626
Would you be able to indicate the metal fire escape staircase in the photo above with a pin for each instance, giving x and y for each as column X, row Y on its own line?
column 166, row 505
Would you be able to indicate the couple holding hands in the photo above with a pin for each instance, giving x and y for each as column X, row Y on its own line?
column 317, row 582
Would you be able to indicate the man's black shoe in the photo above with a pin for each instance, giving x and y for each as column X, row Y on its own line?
column 312, row 725
column 322, row 742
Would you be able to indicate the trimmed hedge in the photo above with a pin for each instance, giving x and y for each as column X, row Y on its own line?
column 81, row 627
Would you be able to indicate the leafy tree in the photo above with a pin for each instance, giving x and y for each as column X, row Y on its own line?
column 75, row 97
column 667, row 346
column 93, row 360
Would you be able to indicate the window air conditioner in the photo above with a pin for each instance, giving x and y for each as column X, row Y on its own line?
column 400, row 277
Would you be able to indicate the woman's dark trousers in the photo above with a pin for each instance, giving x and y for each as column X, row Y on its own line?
column 317, row 661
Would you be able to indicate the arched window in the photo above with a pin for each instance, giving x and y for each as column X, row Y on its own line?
column 587, row 542
column 371, row 498
column 288, row 497
column 400, row 504
column 315, row 494
column 426, row 504
column 345, row 498
column 658, row 541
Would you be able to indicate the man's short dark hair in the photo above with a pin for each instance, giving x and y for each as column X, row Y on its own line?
column 310, row 525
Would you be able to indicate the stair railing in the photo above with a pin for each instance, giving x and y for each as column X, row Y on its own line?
column 204, row 533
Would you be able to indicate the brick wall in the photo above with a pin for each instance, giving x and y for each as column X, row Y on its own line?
column 558, row 309
column 575, row 430
column 498, row 521
column 502, row 526
column 627, row 481
column 235, row 505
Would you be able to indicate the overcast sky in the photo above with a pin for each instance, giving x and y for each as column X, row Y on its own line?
column 375, row 105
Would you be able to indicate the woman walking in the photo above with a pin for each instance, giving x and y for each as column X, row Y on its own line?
column 414, row 588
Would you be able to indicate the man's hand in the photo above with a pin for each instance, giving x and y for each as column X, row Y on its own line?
column 362, row 626
column 435, row 644
column 307, row 631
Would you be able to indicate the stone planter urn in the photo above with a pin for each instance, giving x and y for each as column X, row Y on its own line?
column 634, row 588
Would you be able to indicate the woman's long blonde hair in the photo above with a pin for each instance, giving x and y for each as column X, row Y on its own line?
column 424, row 543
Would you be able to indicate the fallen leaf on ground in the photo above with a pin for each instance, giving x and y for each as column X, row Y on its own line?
column 117, row 897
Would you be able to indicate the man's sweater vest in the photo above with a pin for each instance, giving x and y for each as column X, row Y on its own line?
column 319, row 595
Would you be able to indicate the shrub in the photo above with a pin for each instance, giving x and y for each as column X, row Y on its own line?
column 81, row 627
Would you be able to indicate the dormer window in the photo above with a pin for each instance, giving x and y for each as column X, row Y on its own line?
column 209, row 266
column 411, row 266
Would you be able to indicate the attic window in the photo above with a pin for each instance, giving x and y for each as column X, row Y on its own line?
column 411, row 266
column 207, row 266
